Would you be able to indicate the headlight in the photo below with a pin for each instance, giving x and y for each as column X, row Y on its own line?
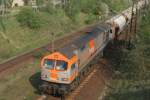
column 64, row 79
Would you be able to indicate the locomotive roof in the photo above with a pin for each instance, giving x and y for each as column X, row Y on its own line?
column 68, row 49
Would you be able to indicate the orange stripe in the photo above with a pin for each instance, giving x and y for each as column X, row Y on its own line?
column 72, row 76
column 53, row 74
column 91, row 44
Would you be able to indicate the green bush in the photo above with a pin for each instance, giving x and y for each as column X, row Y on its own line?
column 28, row 17
column 7, row 3
column 90, row 18
column 50, row 8
column 89, row 7
column 39, row 2
column 73, row 9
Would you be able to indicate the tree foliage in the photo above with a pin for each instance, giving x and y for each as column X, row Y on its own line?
column 28, row 17
column 91, row 6
column 7, row 3
column 40, row 2
column 72, row 9
column 49, row 8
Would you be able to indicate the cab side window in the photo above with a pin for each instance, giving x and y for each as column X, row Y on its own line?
column 73, row 67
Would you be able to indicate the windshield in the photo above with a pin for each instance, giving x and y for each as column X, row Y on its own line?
column 61, row 65
column 55, row 64
column 49, row 64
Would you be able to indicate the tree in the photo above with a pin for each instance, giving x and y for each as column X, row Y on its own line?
column 7, row 3
column 72, row 9
column 28, row 17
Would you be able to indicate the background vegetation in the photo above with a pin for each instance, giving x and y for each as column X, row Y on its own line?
column 132, row 80
column 25, row 28
column 132, row 68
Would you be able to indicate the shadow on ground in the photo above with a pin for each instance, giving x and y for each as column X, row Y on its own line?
column 36, row 82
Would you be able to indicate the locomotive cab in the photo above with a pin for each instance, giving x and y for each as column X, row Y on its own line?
column 57, row 68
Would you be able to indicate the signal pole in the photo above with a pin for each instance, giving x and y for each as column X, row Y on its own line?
column 2, row 8
column 53, row 39
column 2, row 14
column 133, row 23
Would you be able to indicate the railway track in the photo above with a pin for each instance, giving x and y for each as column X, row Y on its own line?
column 76, row 92
column 10, row 63
column 73, row 95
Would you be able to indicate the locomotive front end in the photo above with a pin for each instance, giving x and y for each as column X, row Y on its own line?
column 55, row 69
column 56, row 73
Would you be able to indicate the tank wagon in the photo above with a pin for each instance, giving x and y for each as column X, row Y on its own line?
column 61, row 70
column 119, row 22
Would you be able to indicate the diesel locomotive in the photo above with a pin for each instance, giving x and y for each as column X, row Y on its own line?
column 62, row 69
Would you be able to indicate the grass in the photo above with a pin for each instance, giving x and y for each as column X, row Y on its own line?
column 21, row 39
column 117, row 5
column 21, row 84
column 131, row 89
column 24, row 39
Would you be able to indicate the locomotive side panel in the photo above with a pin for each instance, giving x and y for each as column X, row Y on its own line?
column 99, row 41
column 83, row 56
column 98, row 44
